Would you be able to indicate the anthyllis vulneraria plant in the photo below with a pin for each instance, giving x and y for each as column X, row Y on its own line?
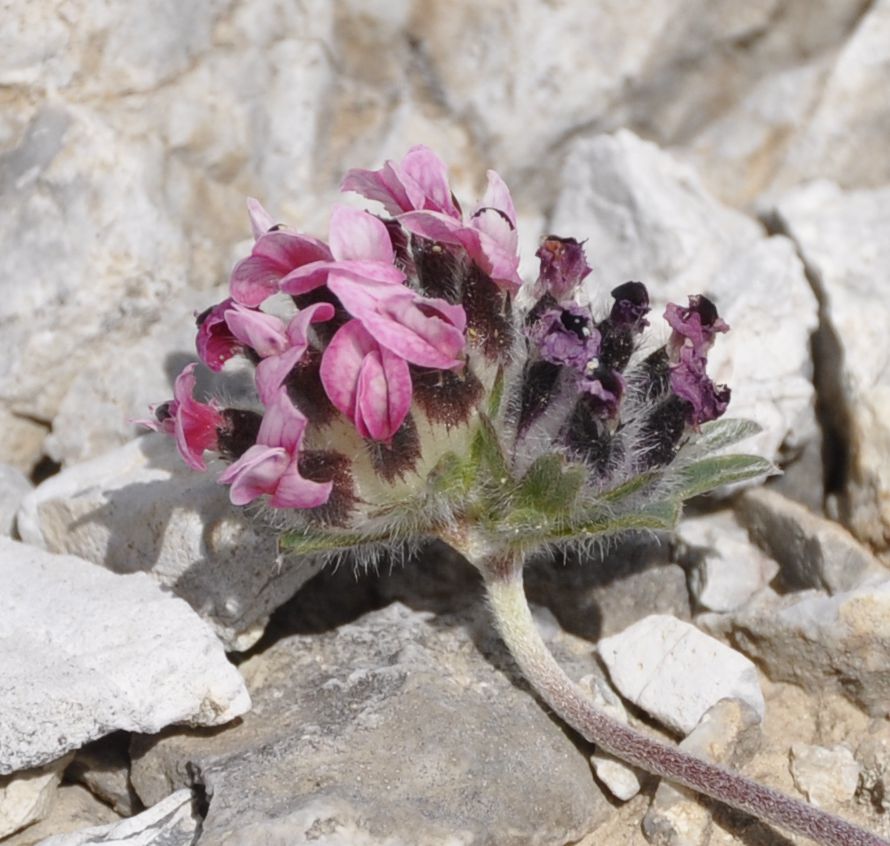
column 402, row 395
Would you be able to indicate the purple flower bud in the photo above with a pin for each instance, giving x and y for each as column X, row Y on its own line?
column 566, row 336
column 563, row 266
column 607, row 388
column 631, row 306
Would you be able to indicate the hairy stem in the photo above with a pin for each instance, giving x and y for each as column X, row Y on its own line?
column 517, row 628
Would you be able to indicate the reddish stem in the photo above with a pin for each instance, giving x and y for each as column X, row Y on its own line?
column 517, row 628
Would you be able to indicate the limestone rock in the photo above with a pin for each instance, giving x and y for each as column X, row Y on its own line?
column 844, row 239
column 395, row 729
column 726, row 569
column 13, row 488
column 813, row 552
column 646, row 216
column 729, row 733
column 827, row 777
column 73, row 808
column 87, row 652
column 174, row 821
column 27, row 797
column 189, row 537
column 820, row 642
column 675, row 672
column 843, row 136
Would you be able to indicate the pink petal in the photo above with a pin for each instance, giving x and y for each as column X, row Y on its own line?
column 215, row 342
column 271, row 373
column 274, row 255
column 433, row 225
column 260, row 220
column 422, row 166
column 497, row 196
column 283, row 425
column 253, row 280
column 382, row 185
column 298, row 327
column 342, row 363
column 293, row 491
column 255, row 473
column 383, row 395
column 195, row 423
column 315, row 275
column 262, row 332
column 359, row 236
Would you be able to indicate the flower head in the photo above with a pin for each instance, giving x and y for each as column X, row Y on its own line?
column 403, row 371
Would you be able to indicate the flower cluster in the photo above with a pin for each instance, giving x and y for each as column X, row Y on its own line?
column 380, row 353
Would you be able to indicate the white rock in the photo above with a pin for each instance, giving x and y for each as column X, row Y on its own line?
column 827, row 777
column 844, row 137
column 84, row 652
column 646, row 216
column 27, row 797
column 14, row 486
column 675, row 672
column 844, row 239
column 726, row 568
column 189, row 537
column 622, row 780
column 172, row 822
column 738, row 154
column 819, row 642
column 813, row 552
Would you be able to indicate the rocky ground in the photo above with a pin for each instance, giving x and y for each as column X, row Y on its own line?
column 167, row 678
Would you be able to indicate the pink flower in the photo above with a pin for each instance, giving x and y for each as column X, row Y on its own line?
column 418, row 182
column 215, row 342
column 490, row 238
column 276, row 254
column 361, row 248
column 271, row 466
column 195, row 424
column 281, row 347
column 422, row 330
column 367, row 382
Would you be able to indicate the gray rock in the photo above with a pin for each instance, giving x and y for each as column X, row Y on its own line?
column 647, row 216
column 189, row 537
column 84, row 652
column 103, row 767
column 675, row 672
column 813, row 552
column 174, row 821
column 13, row 488
column 873, row 756
column 729, row 733
column 827, row 777
column 394, row 728
column 594, row 596
column 27, row 797
column 73, row 808
column 844, row 239
column 819, row 642
column 725, row 568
